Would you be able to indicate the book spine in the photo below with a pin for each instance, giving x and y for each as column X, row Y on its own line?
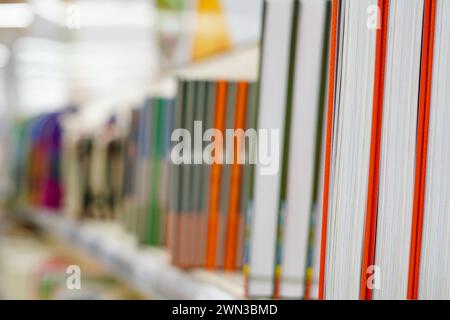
column 246, row 183
column 285, row 150
column 314, row 226
column 207, row 169
column 428, row 38
column 176, row 181
column 199, row 171
column 271, row 119
column 236, row 175
column 252, row 153
column 328, row 147
column 216, row 173
column 375, row 149
column 155, row 159
column 186, row 225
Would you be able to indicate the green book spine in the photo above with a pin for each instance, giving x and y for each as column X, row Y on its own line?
column 155, row 164
column 143, row 173
column 249, row 211
column 165, row 179
column 208, row 124
column 286, row 143
column 129, row 176
column 134, row 211
column 198, row 172
column 187, row 190
column 176, row 178
column 246, row 181
column 313, row 226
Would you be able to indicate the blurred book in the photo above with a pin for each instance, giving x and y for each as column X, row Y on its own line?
column 283, row 208
column 385, row 171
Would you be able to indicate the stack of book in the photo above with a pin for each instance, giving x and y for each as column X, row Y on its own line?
column 385, row 212
column 92, row 168
column 281, row 260
column 210, row 172
column 145, row 170
column 37, row 159
column 120, row 171
column 227, row 173
column 327, row 178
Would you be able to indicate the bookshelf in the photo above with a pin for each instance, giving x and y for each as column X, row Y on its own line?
column 147, row 270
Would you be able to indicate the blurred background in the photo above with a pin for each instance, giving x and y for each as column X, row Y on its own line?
column 95, row 56
column 56, row 52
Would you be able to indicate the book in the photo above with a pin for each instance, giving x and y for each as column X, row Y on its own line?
column 128, row 191
column 38, row 153
column 175, row 187
column 398, row 150
column 305, row 151
column 278, row 23
column 208, row 98
column 5, row 161
column 226, row 178
column 197, row 225
column 349, row 243
column 164, row 191
column 235, row 219
column 216, row 172
column 247, row 180
column 156, row 154
column 373, row 148
column 427, row 277
column 205, row 225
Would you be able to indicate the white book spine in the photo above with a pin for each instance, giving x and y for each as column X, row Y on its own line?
column 308, row 72
column 272, row 109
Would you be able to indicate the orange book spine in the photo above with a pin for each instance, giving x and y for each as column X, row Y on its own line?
column 422, row 146
column 216, row 170
column 233, row 211
column 329, row 136
column 374, row 166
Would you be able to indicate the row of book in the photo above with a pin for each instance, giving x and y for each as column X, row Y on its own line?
column 386, row 214
column 36, row 161
column 210, row 188
column 173, row 174
column 283, row 240
column 346, row 199
column 379, row 208
column 145, row 171
column 121, row 170
column 124, row 171
column 92, row 171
